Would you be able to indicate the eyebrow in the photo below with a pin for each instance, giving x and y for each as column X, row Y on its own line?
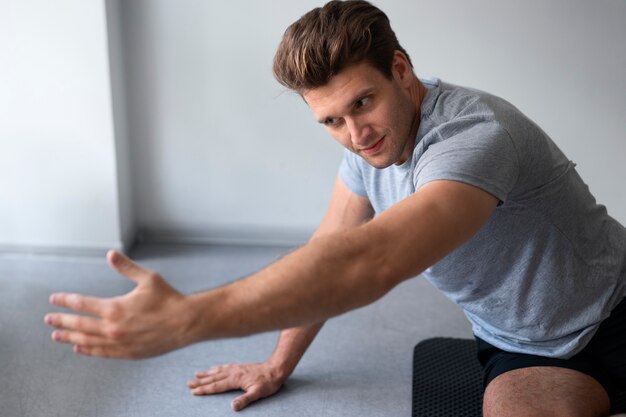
column 362, row 93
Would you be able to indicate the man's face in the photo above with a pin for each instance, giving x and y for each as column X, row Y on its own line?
column 367, row 113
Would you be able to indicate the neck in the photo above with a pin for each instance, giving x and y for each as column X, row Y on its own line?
column 417, row 92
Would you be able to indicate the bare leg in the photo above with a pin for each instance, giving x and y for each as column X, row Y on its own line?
column 545, row 391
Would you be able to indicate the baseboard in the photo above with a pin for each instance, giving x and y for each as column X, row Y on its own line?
column 224, row 235
column 231, row 235
column 55, row 251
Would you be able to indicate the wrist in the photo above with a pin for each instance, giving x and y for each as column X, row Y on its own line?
column 195, row 320
column 281, row 369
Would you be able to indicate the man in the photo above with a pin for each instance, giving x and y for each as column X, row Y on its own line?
column 436, row 179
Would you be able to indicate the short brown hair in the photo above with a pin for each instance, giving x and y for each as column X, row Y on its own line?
column 328, row 39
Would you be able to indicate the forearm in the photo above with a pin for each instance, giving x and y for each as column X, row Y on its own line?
column 330, row 275
column 291, row 346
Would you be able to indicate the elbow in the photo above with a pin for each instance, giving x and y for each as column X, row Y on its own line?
column 384, row 265
column 364, row 260
column 382, row 275
column 387, row 275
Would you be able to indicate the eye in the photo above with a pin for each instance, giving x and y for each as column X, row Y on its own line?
column 331, row 121
column 361, row 102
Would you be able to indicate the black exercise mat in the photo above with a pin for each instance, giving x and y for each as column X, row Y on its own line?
column 619, row 405
column 447, row 380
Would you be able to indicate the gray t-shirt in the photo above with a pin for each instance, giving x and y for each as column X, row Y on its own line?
column 549, row 265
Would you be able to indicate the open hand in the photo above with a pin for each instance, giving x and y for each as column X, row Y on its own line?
column 150, row 320
column 258, row 380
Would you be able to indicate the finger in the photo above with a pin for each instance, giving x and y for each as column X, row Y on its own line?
column 79, row 338
column 207, row 381
column 77, row 323
column 211, row 371
column 101, row 352
column 78, row 302
column 215, row 387
column 244, row 400
column 201, row 374
column 126, row 267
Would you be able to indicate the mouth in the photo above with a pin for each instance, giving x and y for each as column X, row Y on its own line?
column 374, row 148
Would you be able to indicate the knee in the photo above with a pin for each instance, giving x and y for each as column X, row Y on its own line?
column 528, row 393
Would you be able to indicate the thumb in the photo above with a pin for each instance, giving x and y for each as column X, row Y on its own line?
column 126, row 267
column 244, row 400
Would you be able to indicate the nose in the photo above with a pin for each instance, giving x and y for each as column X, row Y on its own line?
column 359, row 132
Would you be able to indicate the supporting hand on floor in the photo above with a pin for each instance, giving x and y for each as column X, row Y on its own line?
column 150, row 320
column 258, row 380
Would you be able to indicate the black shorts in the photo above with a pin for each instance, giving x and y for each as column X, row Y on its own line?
column 604, row 358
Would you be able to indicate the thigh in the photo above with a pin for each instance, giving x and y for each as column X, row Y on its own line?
column 545, row 391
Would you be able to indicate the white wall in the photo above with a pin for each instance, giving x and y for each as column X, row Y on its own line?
column 221, row 151
column 218, row 149
column 58, row 174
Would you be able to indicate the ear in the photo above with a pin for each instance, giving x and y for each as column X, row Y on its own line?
column 401, row 69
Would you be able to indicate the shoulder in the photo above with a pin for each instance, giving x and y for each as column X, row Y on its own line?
column 449, row 102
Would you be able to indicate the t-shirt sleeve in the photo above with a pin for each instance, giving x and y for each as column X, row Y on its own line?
column 480, row 154
column 350, row 174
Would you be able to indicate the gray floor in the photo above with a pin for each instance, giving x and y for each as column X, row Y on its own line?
column 360, row 364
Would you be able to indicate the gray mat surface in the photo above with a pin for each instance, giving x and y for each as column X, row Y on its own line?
column 360, row 364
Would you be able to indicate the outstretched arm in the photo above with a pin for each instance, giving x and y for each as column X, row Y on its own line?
column 298, row 289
